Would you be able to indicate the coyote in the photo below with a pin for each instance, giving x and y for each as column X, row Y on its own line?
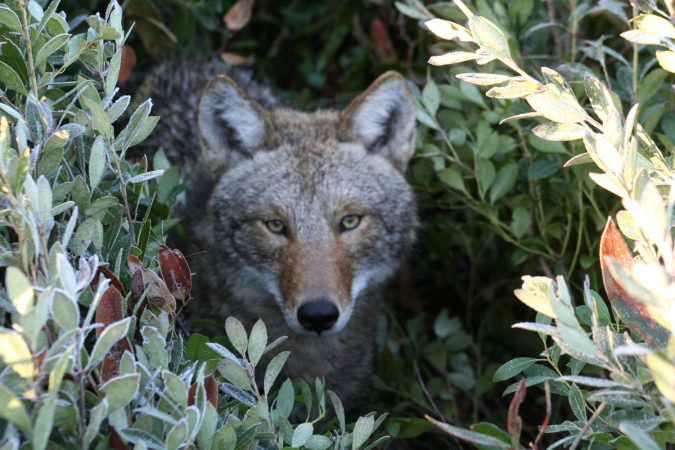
column 301, row 217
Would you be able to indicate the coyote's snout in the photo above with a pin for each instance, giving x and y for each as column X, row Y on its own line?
column 307, row 216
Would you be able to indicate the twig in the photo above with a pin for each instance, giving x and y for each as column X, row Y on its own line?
column 588, row 425
column 424, row 389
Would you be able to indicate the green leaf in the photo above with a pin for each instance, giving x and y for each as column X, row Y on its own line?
column 136, row 123
column 237, row 334
column 471, row 436
column 84, row 236
column 486, row 173
column 101, row 205
column 154, row 346
column 175, row 388
column 431, row 97
column 504, row 181
column 600, row 97
column 98, row 413
column 257, row 342
column 177, row 435
column 557, row 107
column 100, row 119
column 543, row 168
column 512, row 368
column 642, row 440
column 113, row 333
column 146, row 177
column 451, row 58
column 317, row 442
column 19, row 290
column 12, row 409
column 120, row 390
column 50, row 47
column 9, row 18
column 452, row 178
column 651, row 84
column 11, row 79
column 521, row 221
column 489, row 37
column 410, row 11
column 577, row 403
column 653, row 24
column 302, row 434
column 285, row 399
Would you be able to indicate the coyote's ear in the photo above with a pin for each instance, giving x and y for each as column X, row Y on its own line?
column 383, row 119
column 232, row 126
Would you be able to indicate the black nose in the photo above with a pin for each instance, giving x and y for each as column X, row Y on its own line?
column 318, row 315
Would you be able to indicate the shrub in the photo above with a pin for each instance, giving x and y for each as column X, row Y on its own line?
column 632, row 400
column 91, row 357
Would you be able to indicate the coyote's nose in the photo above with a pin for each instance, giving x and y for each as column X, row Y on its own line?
column 318, row 315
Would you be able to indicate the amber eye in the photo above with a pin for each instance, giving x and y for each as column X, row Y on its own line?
column 276, row 226
column 350, row 222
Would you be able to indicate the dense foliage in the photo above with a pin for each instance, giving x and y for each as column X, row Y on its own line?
column 90, row 354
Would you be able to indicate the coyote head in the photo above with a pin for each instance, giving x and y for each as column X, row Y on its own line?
column 309, row 210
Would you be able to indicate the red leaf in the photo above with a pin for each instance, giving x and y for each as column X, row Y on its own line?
column 515, row 423
column 383, row 45
column 134, row 263
column 110, row 276
column 175, row 271
column 111, row 362
column 631, row 311
column 110, row 309
column 158, row 293
column 128, row 62
column 239, row 15
column 116, row 442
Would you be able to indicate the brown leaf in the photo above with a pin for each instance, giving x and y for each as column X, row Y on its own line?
column 111, row 362
column 383, row 45
column 631, row 311
column 116, row 442
column 515, row 423
column 158, row 293
column 134, row 263
column 137, row 288
column 128, row 62
column 110, row 309
column 175, row 271
column 211, row 388
column 239, row 15
column 236, row 60
column 110, row 276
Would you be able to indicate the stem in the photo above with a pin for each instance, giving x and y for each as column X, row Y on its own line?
column 554, row 30
column 123, row 190
column 29, row 47
column 635, row 63
column 575, row 27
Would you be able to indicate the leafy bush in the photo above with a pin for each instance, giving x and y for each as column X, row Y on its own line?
column 633, row 400
column 91, row 357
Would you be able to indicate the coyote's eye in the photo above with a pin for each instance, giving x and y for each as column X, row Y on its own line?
column 350, row 222
column 276, row 226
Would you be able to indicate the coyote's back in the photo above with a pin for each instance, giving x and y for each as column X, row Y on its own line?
column 305, row 217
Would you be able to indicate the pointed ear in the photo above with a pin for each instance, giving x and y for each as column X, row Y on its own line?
column 232, row 126
column 383, row 120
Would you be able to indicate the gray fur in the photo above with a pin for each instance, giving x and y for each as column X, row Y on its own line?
column 308, row 170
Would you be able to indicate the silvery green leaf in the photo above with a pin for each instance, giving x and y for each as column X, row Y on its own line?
column 19, row 289
column 114, row 71
column 275, row 344
column 642, row 420
column 44, row 205
column 286, row 429
column 15, row 353
column 135, row 435
column 410, row 11
column 584, row 158
column 67, row 276
column 273, row 370
column 339, row 409
column 192, row 416
column 504, row 181
column 101, row 205
column 302, row 434
column 98, row 413
column 145, row 176
column 237, row 334
column 628, row 226
column 118, row 108
column 235, row 374
column 113, row 333
column 175, row 388
column 285, row 399
column 207, row 427
column 513, row 368
column 85, row 235
column 362, row 431
column 624, row 399
column 640, row 438
column 97, row 162
column 65, row 311
column 380, row 441
column 13, row 410
column 238, row 394
column 257, row 342
column 100, row 119
column 317, row 442
column 552, row 131
column 155, row 347
column 222, row 351
column 577, row 403
column 557, row 107
column 489, row 37
column 653, row 24
column 11, row 79
column 136, row 123
column 61, row 207
column 599, row 96
column 451, row 58
column 50, row 47
column 120, row 390
column 483, row 79
column 44, row 423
